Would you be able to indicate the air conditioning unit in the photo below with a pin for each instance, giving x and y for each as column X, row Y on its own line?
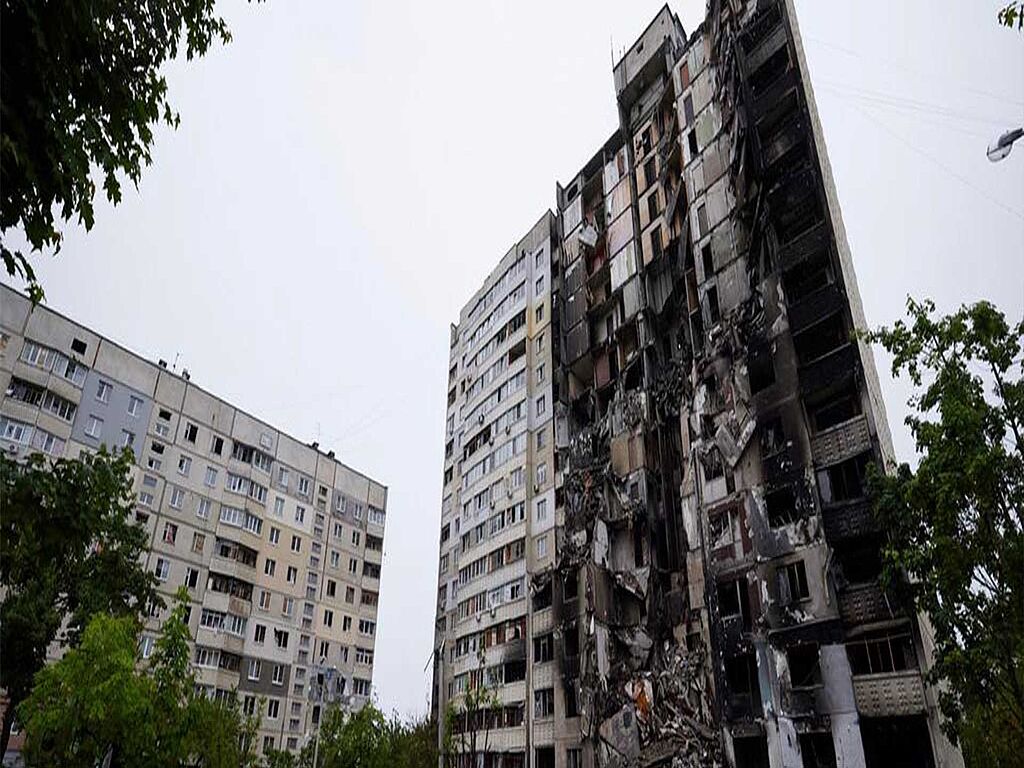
column 480, row 419
column 536, row 487
column 508, row 429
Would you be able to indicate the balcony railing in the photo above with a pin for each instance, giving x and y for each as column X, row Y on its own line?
column 848, row 520
column 891, row 694
column 841, row 442
column 866, row 604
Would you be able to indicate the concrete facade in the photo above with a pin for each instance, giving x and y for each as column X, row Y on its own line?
column 714, row 598
column 279, row 543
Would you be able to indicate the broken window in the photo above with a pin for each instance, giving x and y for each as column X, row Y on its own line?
column 733, row 601
column 515, row 671
column 543, row 648
column 773, row 439
column 810, row 275
column 820, row 339
column 781, row 507
column 714, row 312
column 691, row 140
column 840, row 407
column 688, row 109
column 844, row 481
column 804, row 669
column 571, row 642
column 760, row 368
column 744, row 690
column 702, row 219
column 720, row 529
column 542, row 598
column 882, row 652
column 713, row 467
column 649, row 172
column 571, row 588
column 707, row 261
column 544, row 757
column 793, row 583
column 652, row 206
column 817, row 749
column 751, row 751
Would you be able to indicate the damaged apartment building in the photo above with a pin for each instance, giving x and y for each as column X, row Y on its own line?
column 656, row 546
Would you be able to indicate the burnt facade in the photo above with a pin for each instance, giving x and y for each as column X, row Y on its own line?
column 715, row 589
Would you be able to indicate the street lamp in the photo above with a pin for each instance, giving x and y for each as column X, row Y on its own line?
column 1001, row 147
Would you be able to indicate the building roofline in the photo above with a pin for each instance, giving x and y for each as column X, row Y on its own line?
column 187, row 382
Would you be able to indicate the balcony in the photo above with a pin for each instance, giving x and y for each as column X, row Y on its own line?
column 865, row 604
column 229, row 566
column 841, row 442
column 817, row 306
column 891, row 694
column 769, row 42
column 848, row 520
column 821, row 373
column 814, row 240
column 767, row 98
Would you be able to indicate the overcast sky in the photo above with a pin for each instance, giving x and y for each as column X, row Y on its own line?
column 346, row 174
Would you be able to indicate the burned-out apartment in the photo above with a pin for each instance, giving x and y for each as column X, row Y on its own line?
column 708, row 592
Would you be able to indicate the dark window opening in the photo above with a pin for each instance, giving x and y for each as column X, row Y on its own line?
column 820, row 339
column 571, row 588
column 840, row 407
column 744, row 690
column 818, row 750
column 770, row 71
column 688, row 109
column 78, row 347
column 650, row 172
column 751, row 751
column 542, row 598
column 761, row 368
column 691, row 140
column 804, row 669
column 713, row 467
column 543, row 648
column 571, row 706
column 896, row 742
column 733, row 601
column 164, row 414
column 714, row 312
column 808, row 276
column 882, row 653
column 844, row 481
column 571, row 643
column 515, row 671
column 781, row 507
column 545, row 757
column 861, row 564
column 773, row 438
column 652, row 206
column 707, row 260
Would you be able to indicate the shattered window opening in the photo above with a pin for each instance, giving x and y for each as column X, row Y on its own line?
column 804, row 666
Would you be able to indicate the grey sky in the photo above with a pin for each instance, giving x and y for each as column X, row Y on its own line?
column 346, row 174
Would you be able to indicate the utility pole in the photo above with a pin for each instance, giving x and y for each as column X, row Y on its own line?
column 326, row 685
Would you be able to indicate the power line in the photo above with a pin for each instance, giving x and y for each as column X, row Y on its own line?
column 926, row 76
column 909, row 103
column 942, row 166
column 924, row 116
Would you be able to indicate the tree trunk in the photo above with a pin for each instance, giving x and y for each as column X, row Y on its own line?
column 5, row 738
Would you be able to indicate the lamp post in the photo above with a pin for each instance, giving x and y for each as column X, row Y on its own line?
column 1001, row 147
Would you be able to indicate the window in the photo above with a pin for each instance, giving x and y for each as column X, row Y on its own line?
column 303, row 487
column 288, row 606
column 216, row 445
column 203, row 509
column 94, row 428
column 300, row 514
column 328, row 617
column 211, row 477
column 542, row 405
column 804, row 669
column 367, row 627
column 538, row 314
column 296, row 544
column 146, row 499
column 163, row 430
column 269, row 566
column 191, row 578
column 332, row 587
column 177, row 497
column 714, row 311
column 273, row 710
column 198, row 542
column 353, row 565
column 163, row 569
column 691, row 140
column 542, row 510
column 793, row 583
column 170, row 533
column 573, row 757
column 882, row 652
column 539, row 286
column 275, row 535
column 335, row 558
column 542, row 473
column 255, row 667
column 346, row 623
column 650, row 171
column 191, row 433
column 292, row 574
column 544, row 702
column 279, row 507
column 264, row 603
column 146, row 646
column 184, row 465
column 538, row 343
column 103, row 390
column 127, row 438
column 280, row 638
column 268, row 743
column 350, row 596
column 542, row 546
column 277, row 678
column 355, row 538
column 734, row 602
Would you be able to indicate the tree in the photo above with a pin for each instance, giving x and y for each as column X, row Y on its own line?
column 82, row 89
column 97, row 703
column 354, row 740
column 467, row 726
column 413, row 743
column 1012, row 15
column 68, row 549
column 956, row 523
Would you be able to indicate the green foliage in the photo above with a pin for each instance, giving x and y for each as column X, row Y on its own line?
column 1012, row 15
column 365, row 739
column 956, row 523
column 466, row 728
column 97, row 700
column 83, row 88
column 68, row 549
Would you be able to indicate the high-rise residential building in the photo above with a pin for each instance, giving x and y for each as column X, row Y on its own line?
column 713, row 597
column 278, row 543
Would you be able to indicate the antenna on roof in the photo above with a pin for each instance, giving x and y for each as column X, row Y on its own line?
column 174, row 365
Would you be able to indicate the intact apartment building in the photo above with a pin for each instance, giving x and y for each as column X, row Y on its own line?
column 713, row 593
column 278, row 542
